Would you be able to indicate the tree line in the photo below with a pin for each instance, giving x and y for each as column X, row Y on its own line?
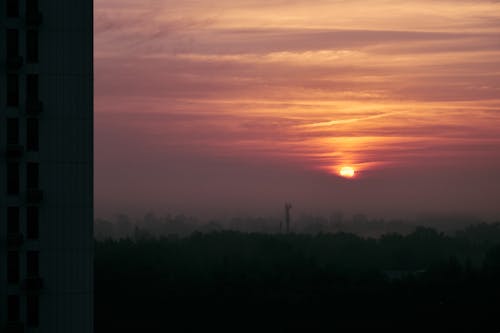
column 247, row 282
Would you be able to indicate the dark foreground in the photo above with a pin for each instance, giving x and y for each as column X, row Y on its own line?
column 235, row 282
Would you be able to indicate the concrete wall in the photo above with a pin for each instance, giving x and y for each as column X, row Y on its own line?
column 65, row 157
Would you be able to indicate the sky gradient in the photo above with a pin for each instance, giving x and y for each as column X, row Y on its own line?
column 235, row 106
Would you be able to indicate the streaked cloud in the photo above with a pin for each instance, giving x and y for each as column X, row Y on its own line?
column 373, row 84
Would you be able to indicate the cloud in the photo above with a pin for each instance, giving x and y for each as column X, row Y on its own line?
column 294, row 85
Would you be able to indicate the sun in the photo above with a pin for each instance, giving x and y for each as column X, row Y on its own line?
column 347, row 172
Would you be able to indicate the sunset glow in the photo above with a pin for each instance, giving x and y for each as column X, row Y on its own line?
column 302, row 85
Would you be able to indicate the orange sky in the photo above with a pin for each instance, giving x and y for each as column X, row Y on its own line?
column 396, row 89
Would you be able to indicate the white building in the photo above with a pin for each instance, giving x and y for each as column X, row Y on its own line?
column 46, row 166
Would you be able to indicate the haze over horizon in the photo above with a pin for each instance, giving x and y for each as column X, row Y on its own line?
column 231, row 108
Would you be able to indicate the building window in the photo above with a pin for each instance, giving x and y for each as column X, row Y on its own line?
column 32, row 175
column 32, row 134
column 32, row 46
column 12, row 131
column 33, row 16
column 32, row 310
column 12, row 8
column 13, row 308
column 12, row 90
column 12, row 43
column 13, row 178
column 32, row 87
column 12, row 220
column 32, row 263
column 13, row 267
column 32, row 222
column 31, row 6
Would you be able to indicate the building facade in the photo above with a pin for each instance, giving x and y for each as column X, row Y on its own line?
column 46, row 166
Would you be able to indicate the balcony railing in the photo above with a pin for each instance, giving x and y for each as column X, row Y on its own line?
column 34, row 107
column 14, row 327
column 14, row 241
column 34, row 196
column 14, row 63
column 33, row 284
column 14, row 152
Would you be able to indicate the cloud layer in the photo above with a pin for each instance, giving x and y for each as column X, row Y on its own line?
column 411, row 87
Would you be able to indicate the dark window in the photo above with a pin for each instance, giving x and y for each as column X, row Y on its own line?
column 12, row 43
column 13, row 267
column 13, row 220
column 32, row 311
column 32, row 87
column 12, row 131
column 33, row 16
column 31, row 6
column 32, row 46
column 12, row 8
column 12, row 90
column 32, row 175
column 32, row 221
column 13, row 308
column 12, row 178
column 32, row 134
column 32, row 263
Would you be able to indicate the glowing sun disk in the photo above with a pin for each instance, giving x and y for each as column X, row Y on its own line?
column 347, row 172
